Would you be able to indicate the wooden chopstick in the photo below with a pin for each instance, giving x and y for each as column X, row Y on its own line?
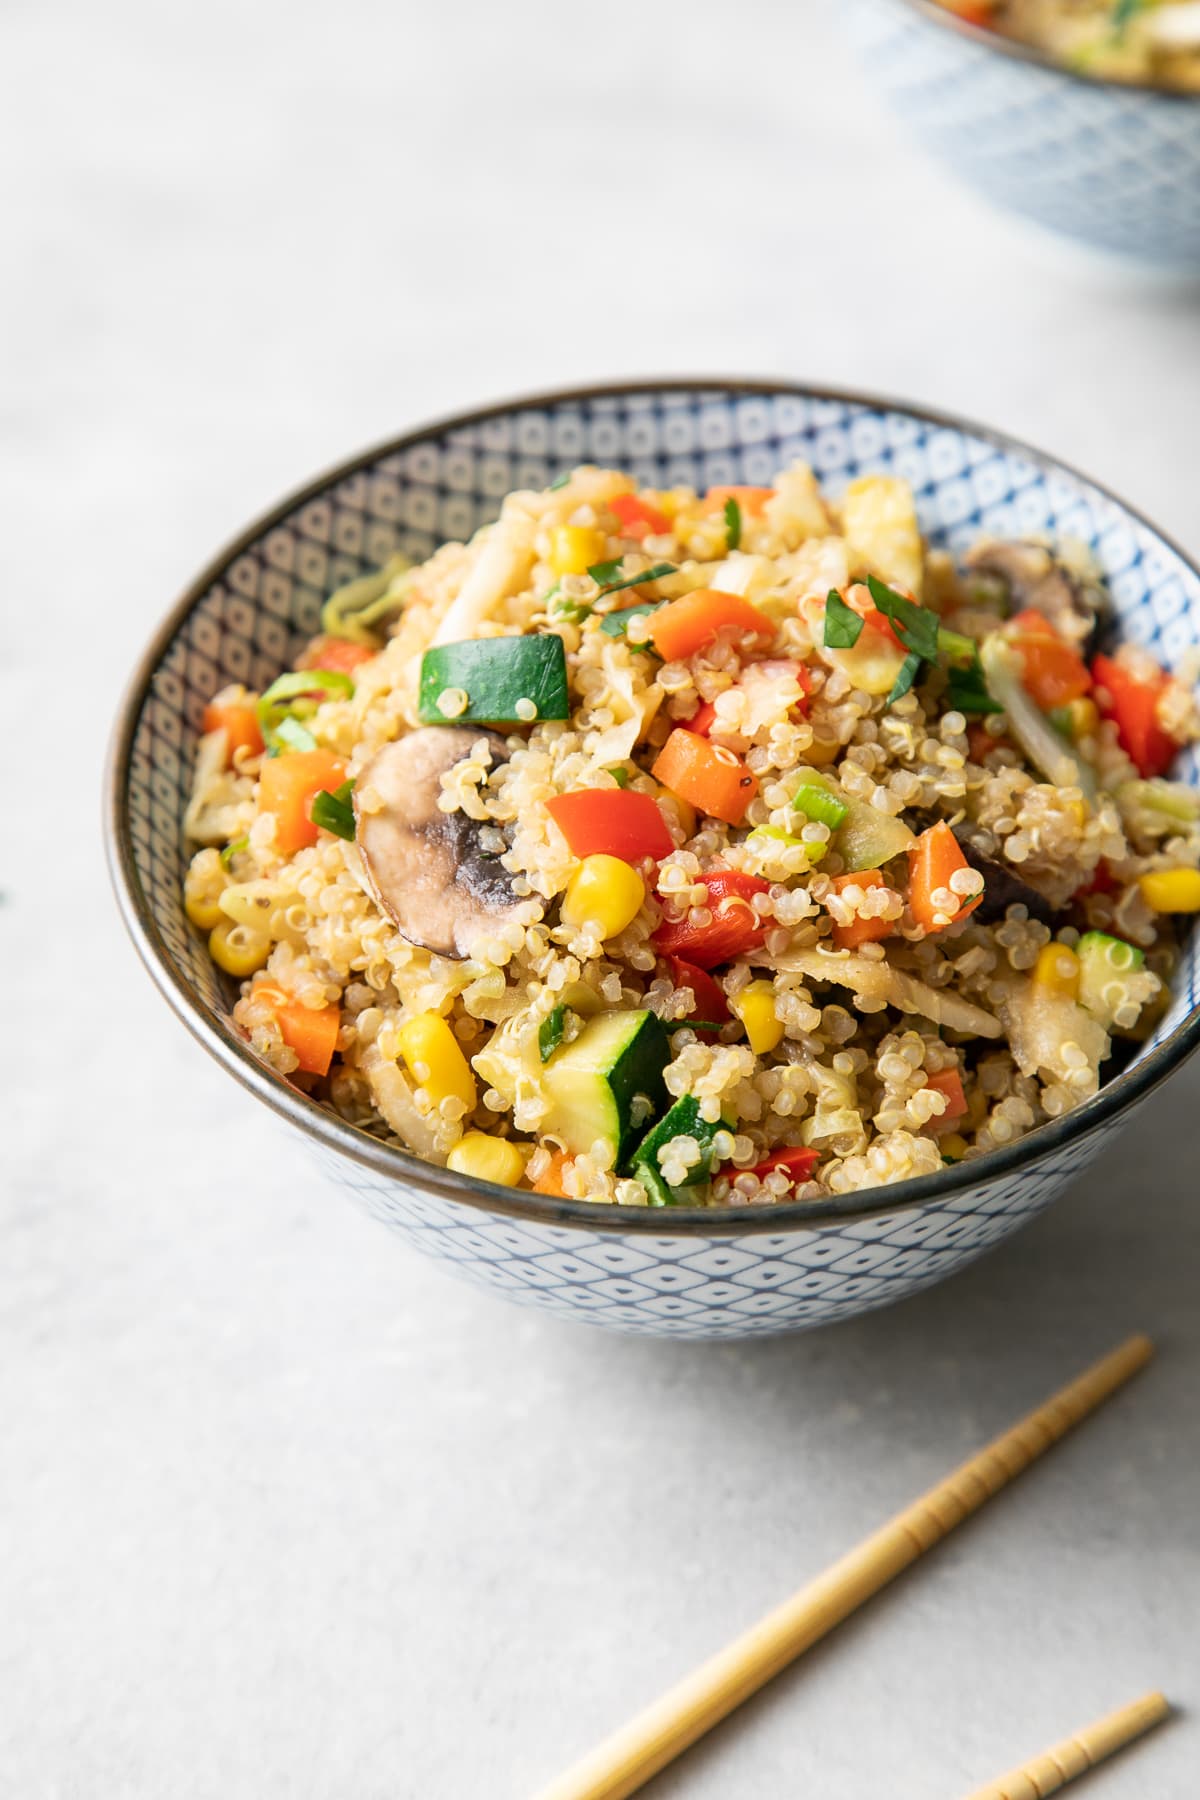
column 626, row 1760
column 1052, row 1770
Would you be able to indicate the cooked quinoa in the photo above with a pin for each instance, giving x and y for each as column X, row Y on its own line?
column 664, row 848
column 1117, row 40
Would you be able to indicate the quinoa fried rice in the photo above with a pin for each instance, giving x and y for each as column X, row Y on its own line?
column 891, row 835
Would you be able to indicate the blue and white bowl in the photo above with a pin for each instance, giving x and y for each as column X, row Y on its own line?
column 1112, row 163
column 680, row 1273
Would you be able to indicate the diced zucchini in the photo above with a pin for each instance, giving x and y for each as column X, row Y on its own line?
column 1105, row 963
column 682, row 1120
column 606, row 1083
column 501, row 678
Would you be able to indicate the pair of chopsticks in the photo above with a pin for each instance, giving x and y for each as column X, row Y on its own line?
column 624, row 1762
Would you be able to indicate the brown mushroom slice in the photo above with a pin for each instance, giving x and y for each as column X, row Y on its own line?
column 1036, row 578
column 1003, row 887
column 426, row 868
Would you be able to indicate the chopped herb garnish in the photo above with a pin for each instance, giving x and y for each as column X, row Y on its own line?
column 551, row 1032
column 698, row 1025
column 967, row 691
column 1123, row 14
column 560, row 483
column 616, row 624
column 232, row 850
column 296, row 696
column 909, row 669
column 608, row 577
column 619, row 775
column 843, row 626
column 915, row 626
column 333, row 811
column 733, row 523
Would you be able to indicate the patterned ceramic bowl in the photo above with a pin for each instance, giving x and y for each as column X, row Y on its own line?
column 684, row 1273
column 1115, row 164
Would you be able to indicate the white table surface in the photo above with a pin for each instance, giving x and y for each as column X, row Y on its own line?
column 285, row 1514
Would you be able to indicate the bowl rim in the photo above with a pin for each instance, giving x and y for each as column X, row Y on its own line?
column 212, row 1031
column 987, row 39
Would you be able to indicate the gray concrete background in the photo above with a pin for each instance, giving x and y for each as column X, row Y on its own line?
column 284, row 1513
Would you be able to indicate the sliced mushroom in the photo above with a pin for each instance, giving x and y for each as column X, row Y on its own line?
column 1036, row 578
column 425, row 867
column 1002, row 888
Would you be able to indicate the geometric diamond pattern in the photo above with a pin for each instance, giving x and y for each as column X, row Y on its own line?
column 733, row 1274
column 1117, row 166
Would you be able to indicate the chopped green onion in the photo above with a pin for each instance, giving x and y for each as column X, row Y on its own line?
column 843, row 626
column 333, row 811
column 775, row 834
column 816, row 802
column 551, row 1032
column 290, row 734
column 297, row 695
column 619, row 775
column 560, row 483
column 909, row 670
column 915, row 626
column 233, row 849
column 733, row 523
column 616, row 624
column 956, row 647
column 608, row 577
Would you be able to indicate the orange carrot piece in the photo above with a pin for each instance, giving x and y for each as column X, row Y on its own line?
column 752, row 500
column 550, row 1181
column 338, row 654
column 310, row 1032
column 711, row 778
column 287, row 787
column 932, row 860
column 861, row 931
column 949, row 1083
column 239, row 721
column 684, row 626
column 639, row 517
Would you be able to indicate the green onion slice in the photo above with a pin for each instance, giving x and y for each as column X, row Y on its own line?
column 733, row 523
column 333, row 811
column 816, row 802
column 295, row 696
column 232, row 850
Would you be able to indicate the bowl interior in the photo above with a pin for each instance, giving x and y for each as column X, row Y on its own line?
column 248, row 615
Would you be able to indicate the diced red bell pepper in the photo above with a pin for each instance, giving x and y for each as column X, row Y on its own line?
column 710, row 1002
column 734, row 928
column 638, row 518
column 1122, row 695
column 949, row 1083
column 338, row 654
column 799, row 1163
column 1052, row 671
column 612, row 822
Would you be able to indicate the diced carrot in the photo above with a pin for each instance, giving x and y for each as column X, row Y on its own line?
column 612, row 822
column 682, row 627
column 310, row 1031
column 1052, row 671
column 287, row 787
column 638, row 518
column 713, row 779
column 239, row 721
column 1132, row 700
column 550, row 1181
column 751, row 500
column 949, row 1083
column 860, row 930
column 932, row 860
column 339, row 654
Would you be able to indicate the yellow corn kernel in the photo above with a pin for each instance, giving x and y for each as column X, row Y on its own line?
column 435, row 1059
column 755, row 1007
column 574, row 548
column 202, row 897
column 488, row 1158
column 237, row 949
column 1172, row 890
column 605, row 892
column 953, row 1145
column 1057, row 972
column 1083, row 718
